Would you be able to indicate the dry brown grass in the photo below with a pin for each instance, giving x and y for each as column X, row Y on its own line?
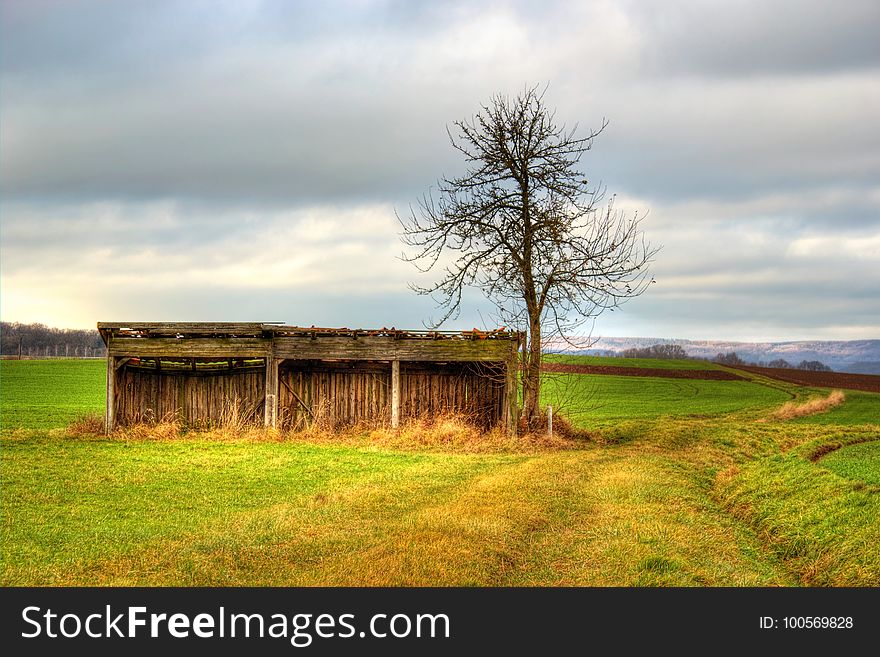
column 236, row 423
column 791, row 410
column 172, row 430
column 447, row 433
column 163, row 430
column 90, row 424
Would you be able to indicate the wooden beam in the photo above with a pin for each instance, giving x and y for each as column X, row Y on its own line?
column 190, row 347
column 380, row 348
column 110, row 411
column 297, row 398
column 271, row 406
column 395, row 394
column 172, row 328
column 387, row 348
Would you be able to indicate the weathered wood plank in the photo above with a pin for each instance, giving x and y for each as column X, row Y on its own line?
column 190, row 347
column 383, row 348
column 110, row 411
column 271, row 399
column 183, row 327
column 148, row 396
column 395, row 394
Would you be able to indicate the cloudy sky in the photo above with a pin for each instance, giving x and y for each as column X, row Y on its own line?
column 244, row 160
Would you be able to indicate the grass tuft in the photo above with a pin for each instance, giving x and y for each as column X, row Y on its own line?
column 165, row 429
column 90, row 424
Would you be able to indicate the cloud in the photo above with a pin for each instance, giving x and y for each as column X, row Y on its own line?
column 181, row 154
column 336, row 265
column 123, row 244
column 753, row 37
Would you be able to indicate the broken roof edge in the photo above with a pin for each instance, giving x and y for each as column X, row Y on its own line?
column 252, row 329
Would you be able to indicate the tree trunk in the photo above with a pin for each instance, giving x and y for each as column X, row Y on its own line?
column 532, row 374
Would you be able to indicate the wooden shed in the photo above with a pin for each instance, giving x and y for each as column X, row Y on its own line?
column 205, row 374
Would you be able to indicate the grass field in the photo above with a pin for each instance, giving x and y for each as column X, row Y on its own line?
column 49, row 393
column 856, row 462
column 689, row 483
column 595, row 400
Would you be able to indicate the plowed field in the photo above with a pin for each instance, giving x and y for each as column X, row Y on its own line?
column 866, row 382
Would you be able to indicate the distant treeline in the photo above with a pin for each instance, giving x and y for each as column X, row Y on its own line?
column 676, row 352
column 41, row 341
column 810, row 365
column 665, row 351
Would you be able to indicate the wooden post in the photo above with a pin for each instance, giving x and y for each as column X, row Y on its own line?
column 270, row 419
column 511, row 415
column 395, row 394
column 110, row 411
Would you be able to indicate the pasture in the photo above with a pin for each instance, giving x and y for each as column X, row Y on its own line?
column 45, row 394
column 681, row 482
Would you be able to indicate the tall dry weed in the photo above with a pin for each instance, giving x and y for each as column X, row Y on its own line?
column 447, row 433
column 90, row 424
column 791, row 410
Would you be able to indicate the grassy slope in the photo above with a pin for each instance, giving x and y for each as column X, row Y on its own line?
column 822, row 525
column 859, row 408
column 713, row 500
column 859, row 463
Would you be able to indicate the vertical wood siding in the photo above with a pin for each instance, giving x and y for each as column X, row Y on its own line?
column 473, row 390
column 203, row 399
column 334, row 395
column 330, row 393
column 341, row 394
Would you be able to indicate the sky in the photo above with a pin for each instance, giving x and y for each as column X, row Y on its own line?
column 244, row 161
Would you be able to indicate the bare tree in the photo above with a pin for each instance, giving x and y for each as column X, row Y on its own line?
column 524, row 226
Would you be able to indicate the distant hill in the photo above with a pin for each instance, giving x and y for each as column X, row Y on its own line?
column 856, row 356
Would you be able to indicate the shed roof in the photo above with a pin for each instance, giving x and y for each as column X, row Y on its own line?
column 272, row 329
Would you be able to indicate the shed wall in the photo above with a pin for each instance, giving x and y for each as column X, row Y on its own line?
column 194, row 399
column 348, row 393
column 474, row 390
column 335, row 394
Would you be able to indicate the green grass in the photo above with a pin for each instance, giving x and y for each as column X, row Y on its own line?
column 859, row 408
column 652, row 363
column 596, row 399
column 121, row 509
column 857, row 462
column 40, row 394
column 688, row 483
column 821, row 525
